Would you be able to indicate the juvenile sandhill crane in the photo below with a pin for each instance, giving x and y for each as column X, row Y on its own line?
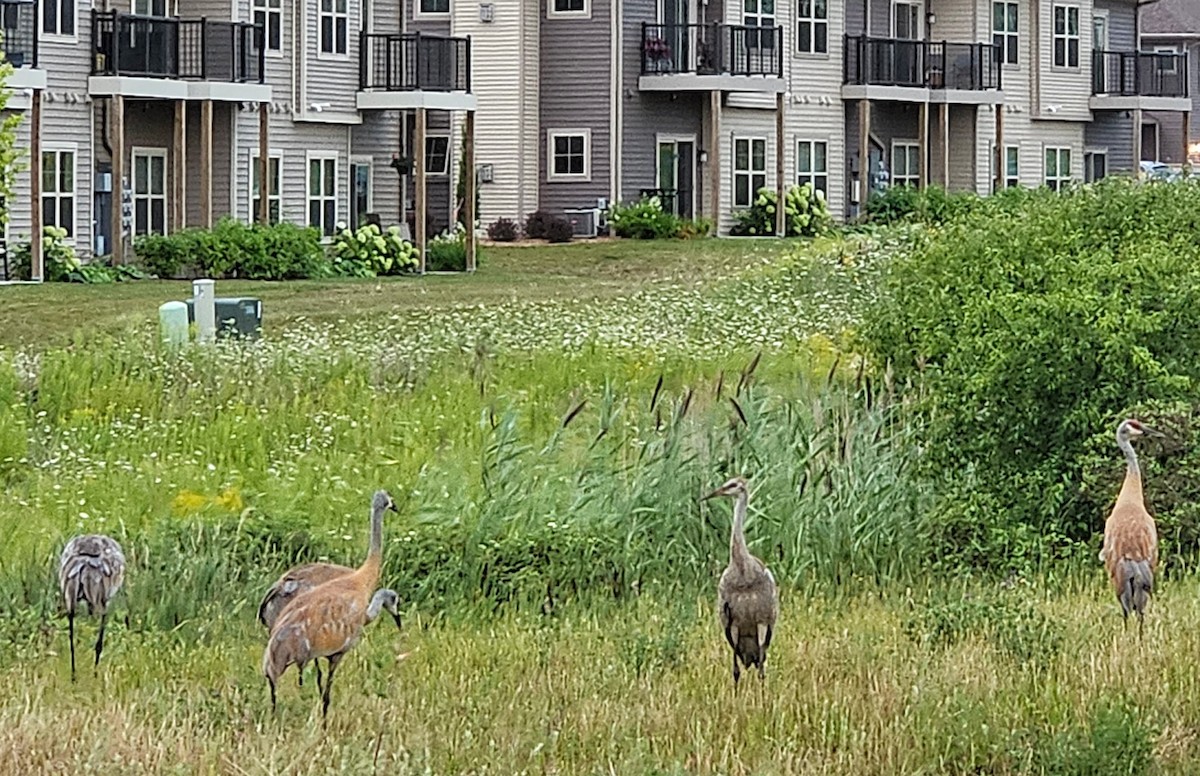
column 327, row 620
column 747, row 597
column 1130, row 552
column 91, row 569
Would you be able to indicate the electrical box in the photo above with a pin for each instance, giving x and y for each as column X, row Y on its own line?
column 236, row 316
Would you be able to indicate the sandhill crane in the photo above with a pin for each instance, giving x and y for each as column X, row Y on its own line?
column 747, row 597
column 90, row 569
column 1130, row 552
column 294, row 582
column 327, row 620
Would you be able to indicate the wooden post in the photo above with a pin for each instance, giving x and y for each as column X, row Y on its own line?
column 472, row 181
column 922, row 142
column 864, row 152
column 714, row 159
column 116, row 126
column 179, row 172
column 1187, row 135
column 264, row 163
column 780, row 184
column 945, row 108
column 420, row 202
column 206, row 148
column 1001, row 152
column 37, row 266
column 1137, row 143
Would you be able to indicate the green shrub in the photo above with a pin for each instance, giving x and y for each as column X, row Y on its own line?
column 558, row 230
column 447, row 252
column 807, row 214
column 535, row 224
column 58, row 257
column 931, row 205
column 367, row 252
column 503, row 230
column 233, row 249
column 643, row 220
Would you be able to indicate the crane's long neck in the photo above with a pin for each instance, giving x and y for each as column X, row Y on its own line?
column 738, row 553
column 1133, row 473
column 370, row 567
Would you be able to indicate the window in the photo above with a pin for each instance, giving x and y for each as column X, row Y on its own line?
column 570, row 154
column 749, row 169
column 1167, row 59
column 1095, row 165
column 269, row 13
column 437, row 154
column 322, row 193
column 759, row 13
column 58, row 189
column 1058, row 167
column 360, row 191
column 812, row 27
column 906, row 164
column 58, row 17
column 434, row 7
column 149, row 191
column 335, row 26
column 274, row 179
column 812, row 164
column 1012, row 166
column 568, row 8
column 1004, row 31
column 1066, row 36
column 150, row 8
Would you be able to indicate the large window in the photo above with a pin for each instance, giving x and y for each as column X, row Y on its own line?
column 568, row 8
column 759, row 13
column 269, row 13
column 1066, row 36
column 906, row 164
column 335, row 26
column 434, row 6
column 275, row 184
column 812, row 27
column 1058, row 167
column 570, row 154
column 1012, row 166
column 149, row 191
column 749, row 169
column 58, row 189
column 322, row 192
column 58, row 17
column 812, row 165
column 1004, row 31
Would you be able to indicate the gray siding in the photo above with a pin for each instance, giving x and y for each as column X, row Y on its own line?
column 1112, row 131
column 1170, row 124
column 893, row 121
column 438, row 190
column 881, row 18
column 1122, row 25
column 856, row 16
column 432, row 25
column 963, row 141
column 378, row 138
column 575, row 89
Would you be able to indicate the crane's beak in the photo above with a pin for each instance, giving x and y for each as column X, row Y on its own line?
column 396, row 617
column 392, row 506
column 714, row 494
column 1153, row 432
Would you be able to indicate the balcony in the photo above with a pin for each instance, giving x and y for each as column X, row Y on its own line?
column 20, row 19
column 149, row 56
column 919, row 70
column 705, row 57
column 412, row 70
column 1130, row 80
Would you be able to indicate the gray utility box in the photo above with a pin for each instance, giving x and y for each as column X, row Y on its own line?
column 236, row 316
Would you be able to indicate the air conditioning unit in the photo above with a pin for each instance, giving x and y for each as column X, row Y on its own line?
column 584, row 221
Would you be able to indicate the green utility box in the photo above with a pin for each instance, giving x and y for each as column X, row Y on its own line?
column 236, row 316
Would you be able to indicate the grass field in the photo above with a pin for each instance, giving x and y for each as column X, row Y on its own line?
column 546, row 426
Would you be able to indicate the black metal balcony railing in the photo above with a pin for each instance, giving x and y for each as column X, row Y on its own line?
column 414, row 62
column 922, row 63
column 19, row 22
column 1136, row 73
column 188, row 49
column 712, row 49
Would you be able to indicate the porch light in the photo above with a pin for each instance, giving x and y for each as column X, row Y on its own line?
column 703, row 157
column 931, row 18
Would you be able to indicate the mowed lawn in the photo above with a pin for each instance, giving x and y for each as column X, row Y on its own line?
column 40, row 316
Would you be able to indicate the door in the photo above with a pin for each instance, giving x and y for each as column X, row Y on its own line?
column 1095, row 165
column 676, row 176
column 1101, row 77
column 1149, row 142
column 906, row 54
column 360, row 192
column 150, row 191
column 675, row 31
column 151, row 41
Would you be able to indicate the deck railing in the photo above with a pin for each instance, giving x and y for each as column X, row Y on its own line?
column 921, row 63
column 712, row 49
column 414, row 62
column 188, row 49
column 1138, row 73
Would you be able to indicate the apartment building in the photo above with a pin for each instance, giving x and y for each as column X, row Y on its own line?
column 1172, row 27
column 154, row 116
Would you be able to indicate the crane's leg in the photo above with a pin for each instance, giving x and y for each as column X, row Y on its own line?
column 1140, row 621
column 317, row 663
column 737, row 671
column 764, row 638
column 71, row 630
column 333, row 664
column 100, row 639
column 271, row 682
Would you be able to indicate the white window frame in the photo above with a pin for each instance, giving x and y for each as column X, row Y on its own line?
column 1012, row 180
column 1066, row 37
column 57, row 35
column 268, row 9
column 661, row 138
column 554, row 134
column 1089, row 163
column 430, row 137
column 908, row 178
column 169, row 8
column 335, row 14
column 1058, row 179
column 58, row 149
column 807, row 176
column 1101, row 13
column 149, row 153
column 309, row 196
column 418, row 13
column 812, row 21
column 759, row 17
column 919, row 18
column 369, row 163
column 1174, row 69
column 1003, row 34
column 750, row 172
column 273, row 154
column 552, row 11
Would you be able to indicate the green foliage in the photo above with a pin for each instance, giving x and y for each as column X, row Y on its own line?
column 447, row 252
column 12, row 155
column 62, row 265
column 1007, row 619
column 460, row 189
column 931, row 205
column 366, row 252
column 643, row 220
column 807, row 213
column 233, row 249
column 1116, row 741
column 503, row 230
column 1030, row 332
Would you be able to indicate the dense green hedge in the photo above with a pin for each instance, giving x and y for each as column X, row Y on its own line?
column 233, row 249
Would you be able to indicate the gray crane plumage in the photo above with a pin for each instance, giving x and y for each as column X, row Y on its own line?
column 91, row 570
column 747, row 596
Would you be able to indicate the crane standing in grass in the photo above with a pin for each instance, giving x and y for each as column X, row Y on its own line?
column 91, row 569
column 327, row 620
column 747, row 597
column 1130, row 552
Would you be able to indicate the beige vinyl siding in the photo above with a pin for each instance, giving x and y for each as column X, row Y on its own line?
column 20, row 206
column 332, row 80
column 378, row 138
column 741, row 123
column 1064, row 92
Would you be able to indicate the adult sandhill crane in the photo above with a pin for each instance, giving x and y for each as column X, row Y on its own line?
column 327, row 620
column 91, row 569
column 1130, row 552
column 747, row 597
column 294, row 582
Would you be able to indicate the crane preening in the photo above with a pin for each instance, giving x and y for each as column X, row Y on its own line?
column 91, row 570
